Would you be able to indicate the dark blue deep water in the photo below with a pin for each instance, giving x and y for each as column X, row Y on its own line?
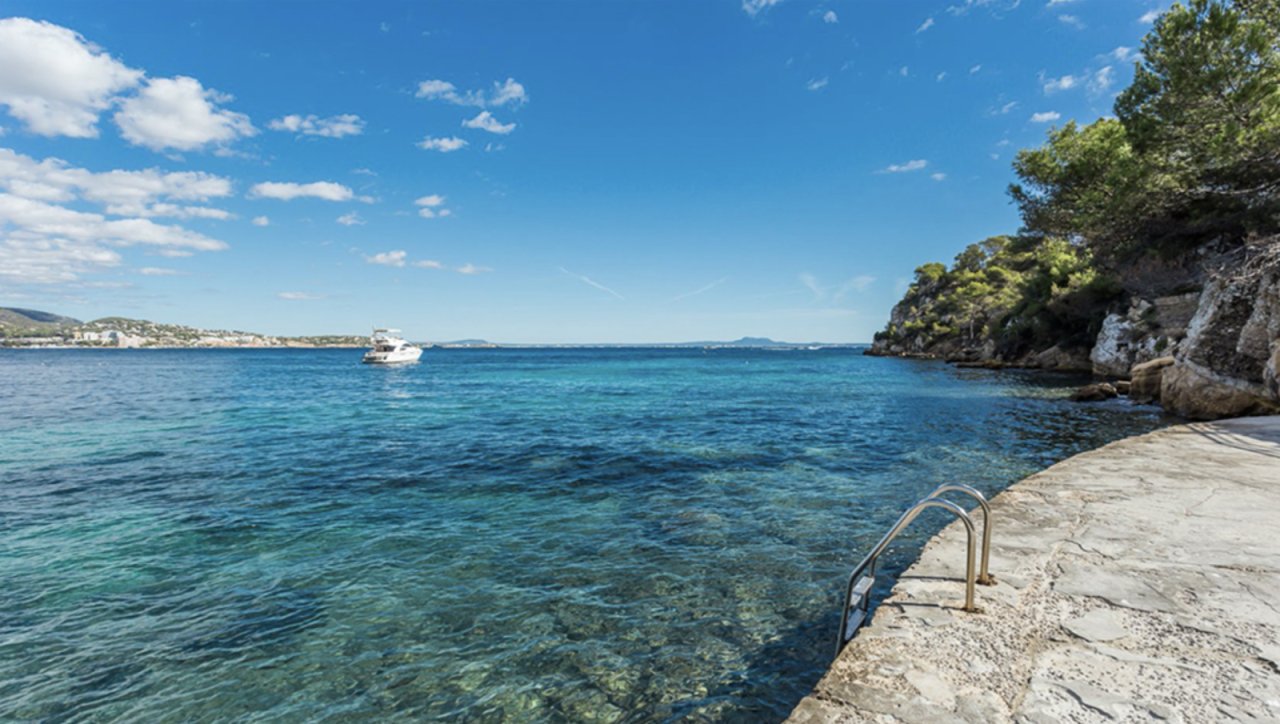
column 491, row 534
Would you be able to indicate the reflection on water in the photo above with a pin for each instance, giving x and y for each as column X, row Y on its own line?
column 490, row 534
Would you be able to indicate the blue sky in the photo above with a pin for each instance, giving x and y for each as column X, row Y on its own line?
column 525, row 172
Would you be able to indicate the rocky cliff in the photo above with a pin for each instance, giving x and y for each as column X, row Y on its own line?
column 1203, row 354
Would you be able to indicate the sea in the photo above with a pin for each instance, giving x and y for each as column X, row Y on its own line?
column 621, row 534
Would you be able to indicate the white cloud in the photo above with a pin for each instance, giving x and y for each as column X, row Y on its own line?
column 941, row 76
column 287, row 191
column 938, row 176
column 347, row 124
column 388, row 258
column 443, row 145
column 811, row 283
column 975, row 69
column 428, row 264
column 43, row 243
column 299, row 296
column 155, row 271
column 508, row 92
column 1004, row 109
column 1102, row 80
column 1072, row 20
column 261, row 221
column 1123, row 53
column 915, row 165
column 816, row 84
column 179, row 113
column 56, row 82
column 1046, row 117
column 591, row 282
column 486, row 122
column 188, row 212
column 830, row 17
column 752, row 7
column 1054, row 3
column 470, row 268
column 928, row 23
column 903, row 71
column 351, row 219
column 1149, row 17
column 1066, row 82
column 431, row 206
column 121, row 193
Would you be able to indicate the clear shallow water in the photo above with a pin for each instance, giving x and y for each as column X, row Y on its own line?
column 492, row 534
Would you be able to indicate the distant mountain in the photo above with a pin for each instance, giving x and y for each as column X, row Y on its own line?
column 15, row 322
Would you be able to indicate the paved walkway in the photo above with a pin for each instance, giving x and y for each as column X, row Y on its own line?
column 1137, row 582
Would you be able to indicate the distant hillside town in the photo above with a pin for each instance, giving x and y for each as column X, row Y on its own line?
column 33, row 328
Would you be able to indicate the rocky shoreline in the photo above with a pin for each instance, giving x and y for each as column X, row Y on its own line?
column 1202, row 355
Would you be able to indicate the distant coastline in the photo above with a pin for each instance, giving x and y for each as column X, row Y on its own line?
column 34, row 329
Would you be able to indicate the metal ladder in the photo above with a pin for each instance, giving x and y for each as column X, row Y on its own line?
column 857, row 597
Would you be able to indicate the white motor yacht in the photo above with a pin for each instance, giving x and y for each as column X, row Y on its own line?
column 389, row 348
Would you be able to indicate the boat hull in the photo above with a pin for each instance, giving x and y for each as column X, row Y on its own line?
column 398, row 357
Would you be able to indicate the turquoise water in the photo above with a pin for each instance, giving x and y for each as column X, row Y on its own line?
column 489, row 535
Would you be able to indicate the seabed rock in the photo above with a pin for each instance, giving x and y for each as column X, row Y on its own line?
column 1094, row 393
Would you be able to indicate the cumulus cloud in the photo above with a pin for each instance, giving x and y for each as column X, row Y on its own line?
column 351, row 219
column 261, row 221
column 45, row 243
column 347, row 124
column 486, row 122
column 181, row 114
column 443, row 145
column 1072, row 20
column 508, row 92
column 1045, row 117
column 915, row 165
column 119, row 192
column 56, row 82
column 938, row 176
column 432, row 206
column 1053, row 85
column 287, row 191
column 830, row 17
column 388, row 258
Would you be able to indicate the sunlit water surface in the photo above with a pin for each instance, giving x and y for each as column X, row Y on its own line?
column 491, row 534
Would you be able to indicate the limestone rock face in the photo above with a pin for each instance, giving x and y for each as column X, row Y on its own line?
column 1191, row 391
column 1145, row 383
column 1057, row 358
column 1227, row 365
column 1112, row 354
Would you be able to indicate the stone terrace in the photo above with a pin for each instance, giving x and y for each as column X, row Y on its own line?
column 1136, row 582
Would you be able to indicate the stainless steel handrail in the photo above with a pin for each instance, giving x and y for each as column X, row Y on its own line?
column 859, row 587
column 984, row 576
